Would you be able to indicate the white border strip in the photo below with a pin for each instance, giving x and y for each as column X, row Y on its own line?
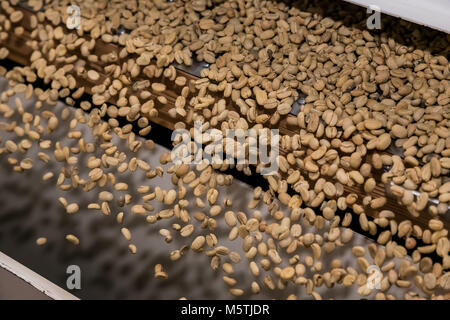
column 40, row 283
column 431, row 13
